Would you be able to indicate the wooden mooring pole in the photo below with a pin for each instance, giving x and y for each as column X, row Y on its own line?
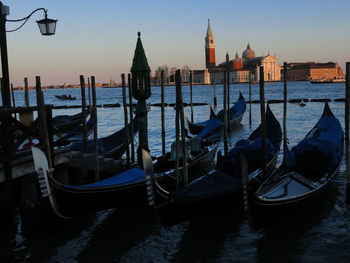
column 131, row 120
column 43, row 125
column 191, row 100
column 250, row 98
column 126, row 121
column 182, row 121
column 94, row 110
column 225, row 115
column 89, row 93
column 177, row 138
column 13, row 100
column 215, row 101
column 162, row 110
column 83, row 113
column 262, row 113
column 26, row 92
column 228, row 90
column 285, row 102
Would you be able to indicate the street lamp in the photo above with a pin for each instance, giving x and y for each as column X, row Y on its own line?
column 47, row 28
column 141, row 91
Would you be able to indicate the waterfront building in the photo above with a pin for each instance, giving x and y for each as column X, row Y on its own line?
column 313, row 71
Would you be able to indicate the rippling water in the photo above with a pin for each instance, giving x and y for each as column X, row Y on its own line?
column 318, row 234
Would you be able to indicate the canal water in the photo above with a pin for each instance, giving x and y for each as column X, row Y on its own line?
column 318, row 234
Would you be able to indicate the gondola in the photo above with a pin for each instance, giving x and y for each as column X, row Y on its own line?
column 65, row 97
column 113, row 146
column 220, row 188
column 199, row 157
column 66, row 123
column 215, row 123
column 307, row 169
column 76, row 135
column 125, row 189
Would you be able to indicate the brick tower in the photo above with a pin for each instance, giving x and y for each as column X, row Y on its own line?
column 209, row 49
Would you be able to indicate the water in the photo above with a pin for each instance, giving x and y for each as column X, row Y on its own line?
column 319, row 234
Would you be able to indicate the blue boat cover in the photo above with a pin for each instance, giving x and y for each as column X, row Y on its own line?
column 133, row 175
column 251, row 150
column 206, row 187
column 212, row 125
column 326, row 137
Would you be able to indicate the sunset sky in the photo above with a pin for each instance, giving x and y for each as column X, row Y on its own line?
column 99, row 37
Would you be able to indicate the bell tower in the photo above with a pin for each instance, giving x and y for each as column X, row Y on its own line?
column 209, row 49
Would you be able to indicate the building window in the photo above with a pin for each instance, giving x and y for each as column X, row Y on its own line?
column 211, row 41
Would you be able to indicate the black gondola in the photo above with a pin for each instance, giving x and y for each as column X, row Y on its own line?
column 113, row 146
column 66, row 123
column 221, row 187
column 121, row 190
column 307, row 169
column 76, row 135
column 204, row 129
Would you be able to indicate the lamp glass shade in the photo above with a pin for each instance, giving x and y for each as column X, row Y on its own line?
column 47, row 26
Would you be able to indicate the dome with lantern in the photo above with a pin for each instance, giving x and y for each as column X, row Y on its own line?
column 248, row 53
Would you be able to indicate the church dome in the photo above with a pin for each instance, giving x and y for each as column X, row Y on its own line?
column 248, row 53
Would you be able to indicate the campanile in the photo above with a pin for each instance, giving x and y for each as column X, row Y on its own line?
column 209, row 49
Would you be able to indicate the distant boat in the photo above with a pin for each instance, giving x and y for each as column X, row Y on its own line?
column 339, row 79
column 65, row 97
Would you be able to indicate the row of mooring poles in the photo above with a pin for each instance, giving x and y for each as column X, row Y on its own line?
column 180, row 123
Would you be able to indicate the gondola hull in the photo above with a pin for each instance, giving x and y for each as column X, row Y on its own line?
column 305, row 175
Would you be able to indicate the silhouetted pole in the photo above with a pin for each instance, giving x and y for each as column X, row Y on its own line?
column 5, row 87
column 89, row 93
column 26, row 93
column 83, row 114
column 13, row 99
column 250, row 97
column 347, row 103
column 162, row 110
column 177, row 138
column 180, row 108
column 131, row 120
column 347, row 109
column 215, row 101
column 42, row 117
column 126, row 121
column 94, row 111
column 285, row 102
column 262, row 113
column 191, row 101
column 225, row 115
column 228, row 89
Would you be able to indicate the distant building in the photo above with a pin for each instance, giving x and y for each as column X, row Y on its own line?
column 241, row 69
column 313, row 71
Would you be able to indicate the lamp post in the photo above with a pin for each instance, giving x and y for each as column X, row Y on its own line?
column 141, row 91
column 47, row 28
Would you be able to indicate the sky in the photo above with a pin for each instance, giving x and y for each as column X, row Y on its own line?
column 98, row 38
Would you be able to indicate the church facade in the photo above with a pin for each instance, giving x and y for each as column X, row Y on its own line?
column 241, row 69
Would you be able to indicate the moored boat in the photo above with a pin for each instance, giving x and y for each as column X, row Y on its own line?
column 221, row 188
column 215, row 123
column 306, row 172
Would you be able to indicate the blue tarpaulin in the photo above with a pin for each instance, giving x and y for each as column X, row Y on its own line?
column 133, row 175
